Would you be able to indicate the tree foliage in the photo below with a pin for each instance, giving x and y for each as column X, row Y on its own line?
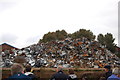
column 51, row 36
column 107, row 40
column 83, row 33
column 61, row 35
column 100, row 39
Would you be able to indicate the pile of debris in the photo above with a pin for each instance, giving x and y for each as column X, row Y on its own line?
column 82, row 53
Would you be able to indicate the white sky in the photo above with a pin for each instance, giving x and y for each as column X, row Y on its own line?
column 24, row 22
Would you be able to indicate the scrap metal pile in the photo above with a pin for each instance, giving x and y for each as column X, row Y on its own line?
column 81, row 53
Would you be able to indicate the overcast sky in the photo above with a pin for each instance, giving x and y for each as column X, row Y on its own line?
column 24, row 22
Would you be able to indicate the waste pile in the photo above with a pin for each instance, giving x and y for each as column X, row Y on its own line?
column 77, row 53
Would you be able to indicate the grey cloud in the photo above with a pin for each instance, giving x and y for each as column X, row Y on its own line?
column 8, row 37
column 33, row 39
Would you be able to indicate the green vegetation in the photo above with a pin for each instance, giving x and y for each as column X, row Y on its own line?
column 52, row 36
column 107, row 40
column 83, row 33
column 61, row 35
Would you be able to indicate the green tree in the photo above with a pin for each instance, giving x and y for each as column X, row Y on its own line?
column 109, row 42
column 60, row 35
column 51, row 36
column 100, row 39
column 83, row 33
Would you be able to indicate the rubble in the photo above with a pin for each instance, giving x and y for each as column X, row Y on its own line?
column 81, row 53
